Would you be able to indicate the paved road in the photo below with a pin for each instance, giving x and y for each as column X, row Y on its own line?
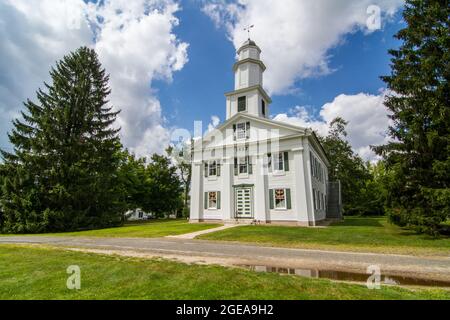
column 227, row 253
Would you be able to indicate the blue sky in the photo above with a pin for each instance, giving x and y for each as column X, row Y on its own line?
column 197, row 91
column 171, row 61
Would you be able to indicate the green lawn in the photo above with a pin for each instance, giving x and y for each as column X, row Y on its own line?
column 40, row 273
column 147, row 229
column 372, row 234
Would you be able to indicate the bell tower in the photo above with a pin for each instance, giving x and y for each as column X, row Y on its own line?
column 249, row 95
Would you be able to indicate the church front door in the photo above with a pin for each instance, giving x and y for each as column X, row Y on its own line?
column 243, row 203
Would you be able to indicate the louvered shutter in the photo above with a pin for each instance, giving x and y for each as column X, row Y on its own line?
column 288, row 199
column 272, row 205
column 218, row 199
column 286, row 161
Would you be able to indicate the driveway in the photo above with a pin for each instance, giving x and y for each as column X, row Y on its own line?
column 233, row 253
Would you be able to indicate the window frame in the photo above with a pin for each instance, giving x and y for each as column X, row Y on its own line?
column 276, row 162
column 244, row 131
column 209, row 200
column 242, row 98
column 210, row 166
column 275, row 207
column 246, row 162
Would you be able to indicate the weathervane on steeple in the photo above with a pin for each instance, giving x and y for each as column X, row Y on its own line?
column 248, row 30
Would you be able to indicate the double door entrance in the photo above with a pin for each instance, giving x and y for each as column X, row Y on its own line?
column 243, row 202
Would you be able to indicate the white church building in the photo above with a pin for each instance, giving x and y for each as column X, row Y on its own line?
column 252, row 169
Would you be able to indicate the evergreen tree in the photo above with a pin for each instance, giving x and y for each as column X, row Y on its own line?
column 420, row 108
column 63, row 171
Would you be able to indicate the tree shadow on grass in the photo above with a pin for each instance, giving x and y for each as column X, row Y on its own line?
column 359, row 222
column 408, row 232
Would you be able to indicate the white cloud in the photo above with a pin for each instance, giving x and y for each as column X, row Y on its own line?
column 34, row 34
column 135, row 43
column 215, row 120
column 295, row 36
column 299, row 116
column 366, row 115
column 136, row 47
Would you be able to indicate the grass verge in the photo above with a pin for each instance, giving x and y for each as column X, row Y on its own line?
column 147, row 229
column 40, row 273
column 363, row 234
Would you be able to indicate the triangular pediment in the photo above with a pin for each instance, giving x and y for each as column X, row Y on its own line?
column 260, row 129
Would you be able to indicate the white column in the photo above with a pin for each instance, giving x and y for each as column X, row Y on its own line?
column 308, row 181
column 260, row 197
column 300, row 203
column 227, row 190
column 196, row 213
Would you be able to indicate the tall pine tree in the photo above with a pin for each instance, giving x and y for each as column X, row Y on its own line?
column 420, row 107
column 62, row 173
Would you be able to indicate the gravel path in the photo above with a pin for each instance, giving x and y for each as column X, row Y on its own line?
column 233, row 253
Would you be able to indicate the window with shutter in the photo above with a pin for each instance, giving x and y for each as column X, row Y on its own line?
column 212, row 200
column 278, row 162
column 213, row 168
column 243, row 165
column 280, row 198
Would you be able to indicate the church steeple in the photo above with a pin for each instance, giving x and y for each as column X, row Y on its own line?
column 248, row 95
column 249, row 68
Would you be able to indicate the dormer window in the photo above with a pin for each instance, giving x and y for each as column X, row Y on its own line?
column 242, row 104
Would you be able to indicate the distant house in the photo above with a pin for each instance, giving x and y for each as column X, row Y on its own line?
column 137, row 215
column 254, row 169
